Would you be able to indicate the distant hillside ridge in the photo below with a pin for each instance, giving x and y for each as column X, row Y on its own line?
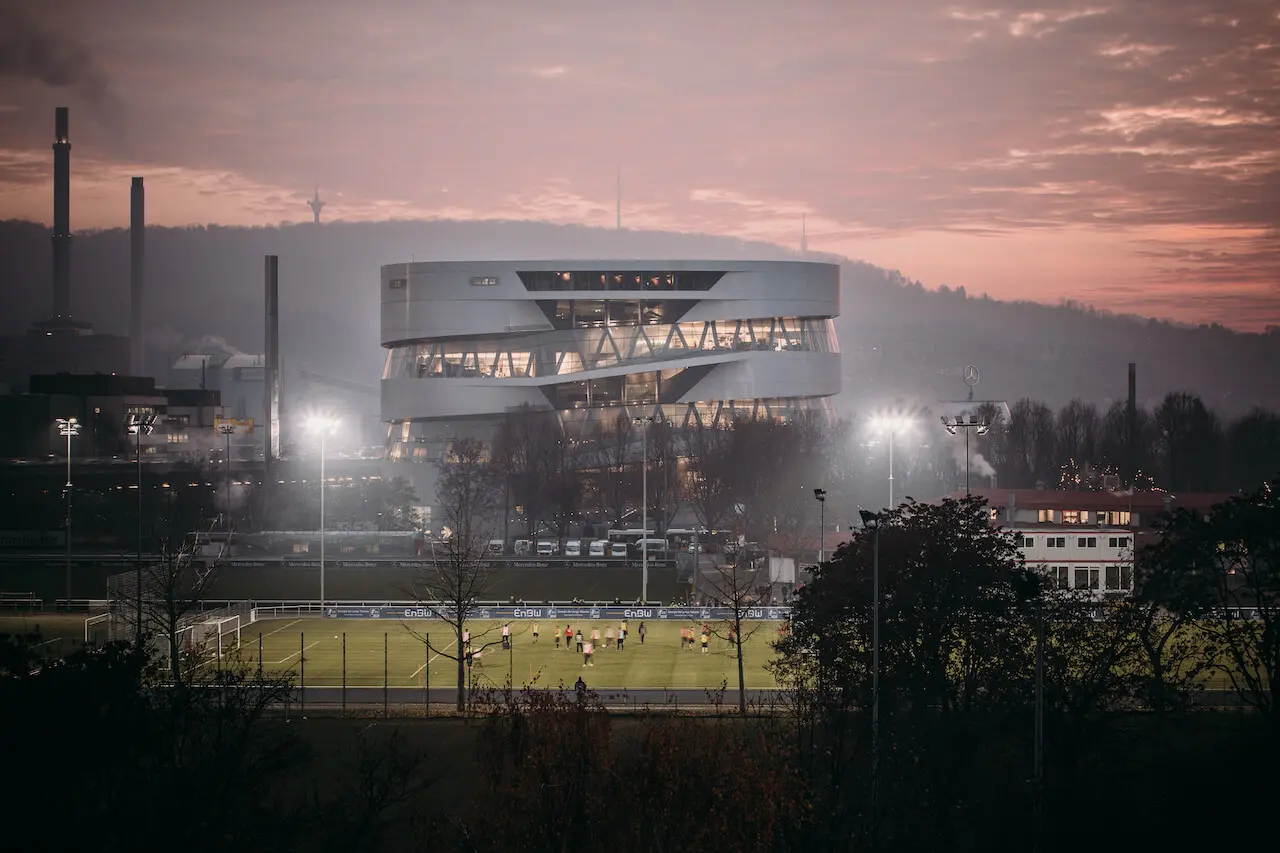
column 901, row 341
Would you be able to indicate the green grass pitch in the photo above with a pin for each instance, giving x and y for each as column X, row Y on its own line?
column 659, row 663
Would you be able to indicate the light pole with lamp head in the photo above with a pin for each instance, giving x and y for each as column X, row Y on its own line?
column 891, row 424
column 68, row 427
column 970, row 424
column 229, row 430
column 821, row 495
column 139, row 425
column 871, row 521
column 643, row 423
column 324, row 425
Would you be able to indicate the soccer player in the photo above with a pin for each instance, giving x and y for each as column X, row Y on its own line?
column 506, row 636
column 558, row 638
column 577, row 639
column 641, row 632
column 622, row 637
column 608, row 636
column 587, row 652
column 535, row 632
column 568, row 633
column 705, row 640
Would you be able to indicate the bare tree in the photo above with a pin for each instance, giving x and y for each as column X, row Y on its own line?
column 173, row 589
column 612, row 447
column 707, row 482
column 460, row 575
column 734, row 583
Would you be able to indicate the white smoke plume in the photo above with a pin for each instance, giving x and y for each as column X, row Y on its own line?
column 978, row 464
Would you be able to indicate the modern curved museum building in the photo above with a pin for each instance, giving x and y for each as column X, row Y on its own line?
column 683, row 340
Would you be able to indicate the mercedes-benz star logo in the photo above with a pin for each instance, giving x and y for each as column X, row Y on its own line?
column 971, row 375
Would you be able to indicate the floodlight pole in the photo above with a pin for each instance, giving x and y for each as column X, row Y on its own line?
column 821, row 495
column 228, row 430
column 137, row 580
column 872, row 520
column 323, row 433
column 644, row 509
column 68, row 427
column 892, row 432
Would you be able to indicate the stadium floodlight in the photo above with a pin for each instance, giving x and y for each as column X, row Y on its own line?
column 139, row 424
column 322, row 424
column 821, row 495
column 69, row 427
column 892, row 423
column 972, row 423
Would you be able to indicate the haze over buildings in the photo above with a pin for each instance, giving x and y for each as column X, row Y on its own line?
column 1122, row 155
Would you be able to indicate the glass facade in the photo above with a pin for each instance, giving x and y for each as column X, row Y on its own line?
column 414, row 441
column 574, row 350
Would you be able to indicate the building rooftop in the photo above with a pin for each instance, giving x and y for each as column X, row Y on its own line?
column 1035, row 499
column 244, row 359
column 196, row 361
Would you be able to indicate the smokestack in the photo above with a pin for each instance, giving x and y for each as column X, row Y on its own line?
column 271, row 383
column 1131, row 428
column 137, row 277
column 61, row 216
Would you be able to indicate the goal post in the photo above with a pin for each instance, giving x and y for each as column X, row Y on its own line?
column 90, row 633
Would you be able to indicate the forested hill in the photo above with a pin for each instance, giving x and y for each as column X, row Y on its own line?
column 900, row 340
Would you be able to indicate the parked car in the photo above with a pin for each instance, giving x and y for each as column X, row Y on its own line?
column 495, row 546
column 573, row 548
column 598, row 547
column 547, row 547
column 618, row 549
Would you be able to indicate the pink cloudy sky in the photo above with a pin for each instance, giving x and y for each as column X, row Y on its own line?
column 1121, row 153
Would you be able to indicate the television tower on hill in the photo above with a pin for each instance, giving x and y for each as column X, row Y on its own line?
column 316, row 204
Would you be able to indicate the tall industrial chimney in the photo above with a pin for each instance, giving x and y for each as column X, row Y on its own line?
column 271, row 379
column 137, row 277
column 61, row 217
column 1131, row 428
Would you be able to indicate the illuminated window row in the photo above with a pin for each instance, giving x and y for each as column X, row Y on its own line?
column 572, row 351
column 606, row 280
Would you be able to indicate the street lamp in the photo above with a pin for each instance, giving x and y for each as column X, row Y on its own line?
column 68, row 427
column 891, row 424
column 139, row 425
column 643, row 423
column 324, row 425
column 974, row 423
column 871, row 521
column 821, row 495
column 229, row 430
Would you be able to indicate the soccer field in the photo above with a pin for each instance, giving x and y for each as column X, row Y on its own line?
column 658, row 663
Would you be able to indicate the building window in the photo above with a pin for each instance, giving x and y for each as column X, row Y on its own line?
column 1087, row 542
column 1064, row 577
column 1027, row 542
column 1055, row 542
column 1126, row 576
column 1046, row 516
column 301, row 547
column 1118, row 542
column 1086, row 578
column 177, row 438
column 484, row 281
column 1122, row 517
column 994, row 513
column 1071, row 516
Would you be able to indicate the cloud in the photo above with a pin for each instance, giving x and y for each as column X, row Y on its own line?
column 30, row 50
column 1138, row 124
